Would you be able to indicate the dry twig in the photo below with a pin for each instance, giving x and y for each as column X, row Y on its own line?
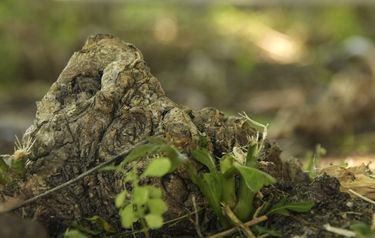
column 233, row 230
column 61, row 186
column 259, row 209
column 196, row 223
column 361, row 196
column 238, row 222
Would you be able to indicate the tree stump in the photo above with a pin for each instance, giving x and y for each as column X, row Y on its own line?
column 105, row 101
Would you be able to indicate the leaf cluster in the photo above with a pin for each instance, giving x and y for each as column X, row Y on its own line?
column 12, row 170
column 229, row 182
column 221, row 186
column 144, row 203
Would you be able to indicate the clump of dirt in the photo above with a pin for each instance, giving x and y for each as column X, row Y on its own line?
column 331, row 207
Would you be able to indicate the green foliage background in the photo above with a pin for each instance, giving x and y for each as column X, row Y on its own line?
column 205, row 53
column 38, row 37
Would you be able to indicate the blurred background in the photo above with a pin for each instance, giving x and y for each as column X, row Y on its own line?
column 305, row 67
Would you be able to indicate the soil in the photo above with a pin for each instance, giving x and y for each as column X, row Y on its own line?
column 105, row 101
column 331, row 207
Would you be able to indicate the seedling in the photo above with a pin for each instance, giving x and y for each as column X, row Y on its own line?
column 221, row 186
column 313, row 160
column 102, row 228
column 144, row 204
column 13, row 166
column 362, row 230
column 282, row 207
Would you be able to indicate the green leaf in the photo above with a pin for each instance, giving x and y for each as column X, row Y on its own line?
column 128, row 216
column 101, row 223
column 282, row 211
column 74, row 234
column 177, row 159
column 156, row 140
column 157, row 206
column 158, row 167
column 265, row 208
column 139, row 152
column 254, row 178
column 154, row 221
column 294, row 206
column 3, row 166
column 299, row 206
column 244, row 206
column 86, row 230
column 157, row 145
column 229, row 180
column 202, row 142
column 226, row 163
column 4, row 172
column 207, row 192
column 230, row 173
column 211, row 187
column 140, row 195
column 18, row 166
column 252, row 155
column 204, row 157
column 229, row 191
column 111, row 168
column 281, row 202
column 120, row 198
column 215, row 185
column 260, row 230
column 173, row 154
column 131, row 176
column 154, row 192
column 362, row 229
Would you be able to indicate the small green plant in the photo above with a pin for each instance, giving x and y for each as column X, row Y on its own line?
column 362, row 230
column 13, row 166
column 5, row 172
column 102, row 228
column 282, row 207
column 313, row 160
column 12, row 170
column 144, row 203
column 221, row 186
column 236, row 181
column 73, row 233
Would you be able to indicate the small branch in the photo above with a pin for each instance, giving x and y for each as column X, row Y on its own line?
column 61, row 186
column 182, row 217
column 361, row 196
column 259, row 209
column 238, row 222
column 264, row 235
column 233, row 230
column 339, row 231
column 196, row 223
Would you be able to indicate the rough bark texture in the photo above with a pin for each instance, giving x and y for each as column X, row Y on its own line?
column 105, row 101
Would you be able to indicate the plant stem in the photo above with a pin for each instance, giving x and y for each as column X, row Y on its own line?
column 244, row 206
column 145, row 229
